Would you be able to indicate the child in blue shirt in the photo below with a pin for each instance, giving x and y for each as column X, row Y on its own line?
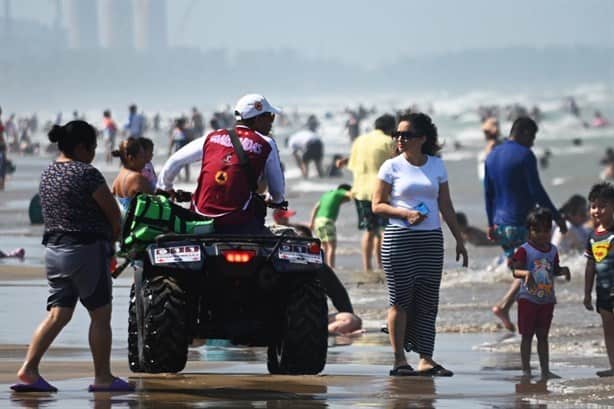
column 600, row 262
column 537, row 262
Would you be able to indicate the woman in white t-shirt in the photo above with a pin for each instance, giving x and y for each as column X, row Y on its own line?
column 412, row 191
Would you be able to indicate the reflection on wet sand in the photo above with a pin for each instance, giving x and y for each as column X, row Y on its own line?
column 356, row 375
column 411, row 392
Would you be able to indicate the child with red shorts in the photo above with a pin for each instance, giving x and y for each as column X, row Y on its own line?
column 537, row 262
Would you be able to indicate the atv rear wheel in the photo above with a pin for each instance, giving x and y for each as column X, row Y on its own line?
column 165, row 327
column 303, row 348
column 133, row 334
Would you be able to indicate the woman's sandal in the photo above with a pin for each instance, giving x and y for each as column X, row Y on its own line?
column 403, row 370
column 437, row 370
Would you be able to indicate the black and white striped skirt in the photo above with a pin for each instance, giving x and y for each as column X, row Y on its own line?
column 413, row 263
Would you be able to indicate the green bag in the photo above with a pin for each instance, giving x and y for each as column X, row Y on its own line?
column 152, row 215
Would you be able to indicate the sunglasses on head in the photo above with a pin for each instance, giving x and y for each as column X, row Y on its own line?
column 404, row 134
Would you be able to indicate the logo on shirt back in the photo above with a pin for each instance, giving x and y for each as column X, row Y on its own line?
column 221, row 177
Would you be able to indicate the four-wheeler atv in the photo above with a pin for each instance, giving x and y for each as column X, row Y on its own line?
column 252, row 290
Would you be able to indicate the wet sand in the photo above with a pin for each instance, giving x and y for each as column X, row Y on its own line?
column 491, row 381
column 486, row 366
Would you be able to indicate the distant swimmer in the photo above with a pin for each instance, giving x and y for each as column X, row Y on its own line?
column 608, row 165
column 3, row 152
column 599, row 121
column 472, row 234
column 135, row 127
column 572, row 107
column 492, row 135
column 109, row 132
column 17, row 253
column 307, row 147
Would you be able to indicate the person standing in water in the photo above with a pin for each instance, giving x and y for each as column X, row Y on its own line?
column 77, row 256
column 512, row 189
column 369, row 152
column 130, row 180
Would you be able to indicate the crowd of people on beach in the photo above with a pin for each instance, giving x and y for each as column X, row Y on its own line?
column 401, row 193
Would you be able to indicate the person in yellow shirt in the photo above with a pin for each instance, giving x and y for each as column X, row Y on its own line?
column 368, row 153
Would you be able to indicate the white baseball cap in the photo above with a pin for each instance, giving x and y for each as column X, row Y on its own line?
column 252, row 105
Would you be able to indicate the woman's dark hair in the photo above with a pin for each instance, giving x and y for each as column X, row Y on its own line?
column 74, row 133
column 541, row 216
column 146, row 143
column 422, row 124
column 128, row 147
column 344, row 186
column 573, row 205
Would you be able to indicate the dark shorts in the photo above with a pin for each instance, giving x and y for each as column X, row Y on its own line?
column 314, row 151
column 605, row 299
column 367, row 220
column 532, row 316
column 79, row 272
column 510, row 237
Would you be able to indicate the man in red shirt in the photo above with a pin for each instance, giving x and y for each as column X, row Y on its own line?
column 224, row 191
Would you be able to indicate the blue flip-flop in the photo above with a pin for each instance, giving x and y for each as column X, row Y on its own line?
column 41, row 385
column 118, row 385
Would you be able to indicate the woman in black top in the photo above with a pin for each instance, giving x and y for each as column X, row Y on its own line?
column 81, row 222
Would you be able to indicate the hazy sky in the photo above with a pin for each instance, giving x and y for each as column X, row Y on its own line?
column 372, row 32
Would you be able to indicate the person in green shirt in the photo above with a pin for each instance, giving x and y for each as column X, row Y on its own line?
column 323, row 217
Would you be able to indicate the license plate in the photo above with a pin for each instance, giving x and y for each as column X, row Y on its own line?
column 176, row 254
column 296, row 253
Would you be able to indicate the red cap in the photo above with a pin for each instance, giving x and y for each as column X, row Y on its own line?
column 279, row 214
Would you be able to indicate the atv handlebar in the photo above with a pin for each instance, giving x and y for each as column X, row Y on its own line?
column 181, row 196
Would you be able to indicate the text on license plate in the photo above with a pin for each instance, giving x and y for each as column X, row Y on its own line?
column 296, row 253
column 176, row 254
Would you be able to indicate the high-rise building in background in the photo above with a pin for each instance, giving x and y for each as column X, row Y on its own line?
column 116, row 22
column 7, row 20
column 81, row 19
column 150, row 25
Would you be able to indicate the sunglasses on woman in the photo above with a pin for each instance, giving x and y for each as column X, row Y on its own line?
column 404, row 134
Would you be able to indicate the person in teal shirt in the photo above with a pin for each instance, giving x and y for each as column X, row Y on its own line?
column 323, row 217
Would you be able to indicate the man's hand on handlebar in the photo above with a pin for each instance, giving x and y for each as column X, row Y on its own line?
column 176, row 195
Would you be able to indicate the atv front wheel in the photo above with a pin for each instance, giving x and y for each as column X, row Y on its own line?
column 303, row 348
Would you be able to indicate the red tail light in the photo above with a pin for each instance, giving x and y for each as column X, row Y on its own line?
column 238, row 256
column 313, row 248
